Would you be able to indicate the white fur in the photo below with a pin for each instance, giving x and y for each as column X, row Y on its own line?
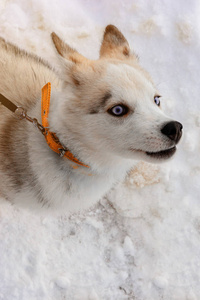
column 109, row 145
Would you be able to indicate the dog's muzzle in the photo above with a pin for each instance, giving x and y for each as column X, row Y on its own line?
column 173, row 130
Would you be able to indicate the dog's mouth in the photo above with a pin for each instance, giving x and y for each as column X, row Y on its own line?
column 165, row 154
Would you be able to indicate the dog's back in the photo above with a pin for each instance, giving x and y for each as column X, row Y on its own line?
column 22, row 76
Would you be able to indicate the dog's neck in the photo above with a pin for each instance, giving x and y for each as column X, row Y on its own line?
column 50, row 137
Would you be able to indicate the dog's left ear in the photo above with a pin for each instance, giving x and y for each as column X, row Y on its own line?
column 114, row 44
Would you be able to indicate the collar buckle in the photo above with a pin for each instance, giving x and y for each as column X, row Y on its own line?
column 62, row 151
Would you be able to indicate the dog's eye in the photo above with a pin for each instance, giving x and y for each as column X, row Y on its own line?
column 118, row 110
column 157, row 100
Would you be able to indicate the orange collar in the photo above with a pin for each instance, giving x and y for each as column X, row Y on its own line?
column 51, row 137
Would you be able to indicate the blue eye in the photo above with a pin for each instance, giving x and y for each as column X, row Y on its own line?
column 118, row 110
column 157, row 100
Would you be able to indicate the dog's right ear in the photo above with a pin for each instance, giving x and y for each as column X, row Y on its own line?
column 72, row 60
column 65, row 50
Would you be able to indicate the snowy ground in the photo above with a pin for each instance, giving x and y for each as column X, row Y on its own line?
column 142, row 241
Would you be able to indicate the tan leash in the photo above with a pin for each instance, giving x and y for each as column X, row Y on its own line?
column 20, row 112
column 51, row 138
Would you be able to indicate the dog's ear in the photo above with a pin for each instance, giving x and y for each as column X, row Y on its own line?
column 114, row 44
column 66, row 51
column 73, row 61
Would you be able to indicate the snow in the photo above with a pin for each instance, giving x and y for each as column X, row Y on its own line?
column 142, row 241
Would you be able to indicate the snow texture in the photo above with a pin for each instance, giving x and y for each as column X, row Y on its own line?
column 142, row 241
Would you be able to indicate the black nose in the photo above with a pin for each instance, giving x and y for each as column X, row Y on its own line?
column 173, row 130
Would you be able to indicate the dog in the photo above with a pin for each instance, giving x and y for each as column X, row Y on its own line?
column 105, row 112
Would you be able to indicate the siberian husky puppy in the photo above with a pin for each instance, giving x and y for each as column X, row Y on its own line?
column 105, row 112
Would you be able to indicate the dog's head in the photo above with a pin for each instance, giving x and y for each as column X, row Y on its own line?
column 111, row 105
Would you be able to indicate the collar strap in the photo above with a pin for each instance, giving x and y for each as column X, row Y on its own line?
column 51, row 137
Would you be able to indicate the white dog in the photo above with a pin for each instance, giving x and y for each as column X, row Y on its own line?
column 104, row 116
